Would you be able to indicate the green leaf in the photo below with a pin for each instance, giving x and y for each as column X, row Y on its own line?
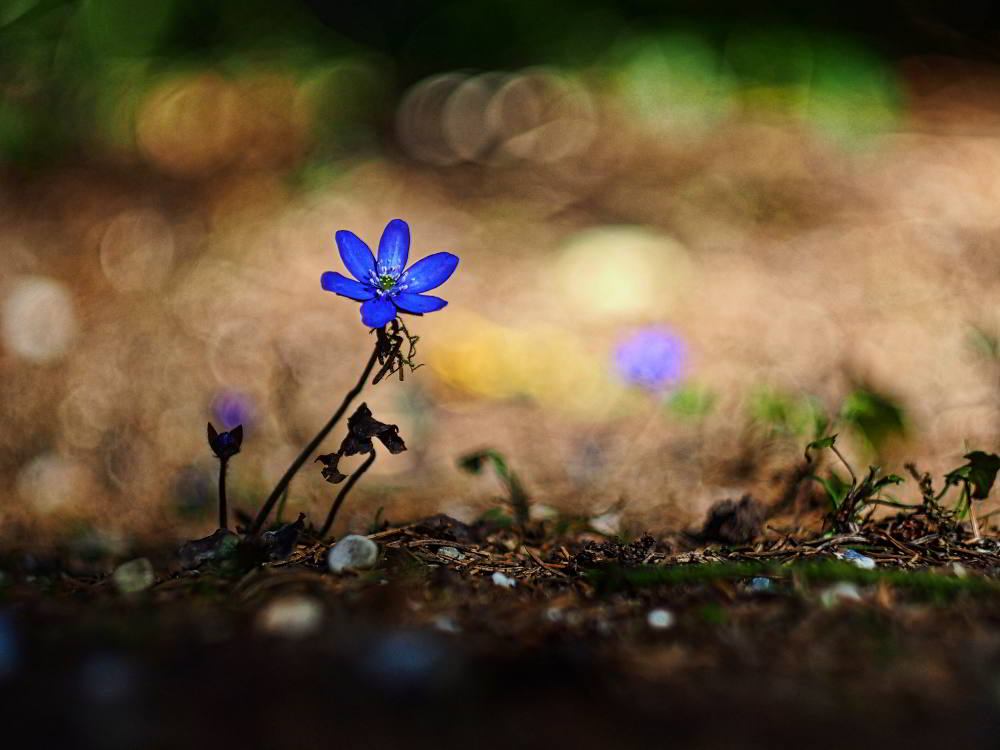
column 875, row 417
column 785, row 414
column 817, row 445
column 985, row 343
column 979, row 473
column 888, row 479
column 474, row 463
column 836, row 488
column 498, row 516
column 691, row 401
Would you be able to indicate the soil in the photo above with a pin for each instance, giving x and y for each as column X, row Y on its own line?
column 429, row 650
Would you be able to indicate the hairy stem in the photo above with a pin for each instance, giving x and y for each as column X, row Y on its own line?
column 352, row 480
column 223, row 505
column 313, row 445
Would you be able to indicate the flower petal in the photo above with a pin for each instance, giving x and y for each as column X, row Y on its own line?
column 376, row 313
column 418, row 303
column 430, row 272
column 357, row 256
column 345, row 287
column 393, row 248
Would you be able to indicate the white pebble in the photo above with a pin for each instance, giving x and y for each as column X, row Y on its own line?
column 839, row 593
column 554, row 614
column 446, row 625
column 660, row 619
column 291, row 616
column 503, row 581
column 608, row 524
column 353, row 552
column 134, row 576
column 856, row 558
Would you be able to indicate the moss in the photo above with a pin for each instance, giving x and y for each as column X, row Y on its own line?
column 924, row 584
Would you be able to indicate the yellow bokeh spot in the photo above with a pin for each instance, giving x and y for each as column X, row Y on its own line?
column 622, row 272
column 546, row 364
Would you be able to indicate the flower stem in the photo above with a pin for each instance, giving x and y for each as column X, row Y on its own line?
column 268, row 506
column 223, row 505
column 343, row 493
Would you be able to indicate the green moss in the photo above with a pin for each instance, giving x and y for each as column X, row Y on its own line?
column 923, row 584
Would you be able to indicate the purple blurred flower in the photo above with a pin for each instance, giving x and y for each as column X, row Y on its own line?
column 383, row 287
column 232, row 408
column 651, row 357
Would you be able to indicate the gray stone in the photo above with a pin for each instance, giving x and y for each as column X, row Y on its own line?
column 134, row 576
column 353, row 552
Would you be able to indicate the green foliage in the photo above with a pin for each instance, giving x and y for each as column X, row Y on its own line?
column 836, row 488
column 498, row 516
column 985, row 343
column 783, row 414
column 978, row 475
column 713, row 614
column 518, row 498
column 874, row 417
column 816, row 445
column 848, row 501
column 691, row 401
column 921, row 584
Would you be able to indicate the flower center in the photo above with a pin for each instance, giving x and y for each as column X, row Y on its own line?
column 386, row 282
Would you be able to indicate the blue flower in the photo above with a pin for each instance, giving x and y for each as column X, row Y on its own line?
column 651, row 357
column 383, row 287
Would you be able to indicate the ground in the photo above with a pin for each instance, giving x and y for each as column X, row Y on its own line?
column 598, row 643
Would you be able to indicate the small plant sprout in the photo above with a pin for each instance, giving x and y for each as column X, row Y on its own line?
column 224, row 445
column 516, row 494
column 361, row 428
column 848, row 503
column 976, row 478
column 386, row 288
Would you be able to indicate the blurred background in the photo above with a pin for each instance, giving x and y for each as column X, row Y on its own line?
column 689, row 240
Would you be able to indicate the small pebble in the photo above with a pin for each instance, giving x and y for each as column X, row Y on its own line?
column 134, row 576
column 446, row 625
column 554, row 614
column 452, row 552
column 542, row 512
column 291, row 616
column 660, row 619
column 608, row 524
column 959, row 570
column 761, row 585
column 856, row 558
column 839, row 593
column 503, row 581
column 353, row 552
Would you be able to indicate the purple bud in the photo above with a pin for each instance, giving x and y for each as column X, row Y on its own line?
column 232, row 408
